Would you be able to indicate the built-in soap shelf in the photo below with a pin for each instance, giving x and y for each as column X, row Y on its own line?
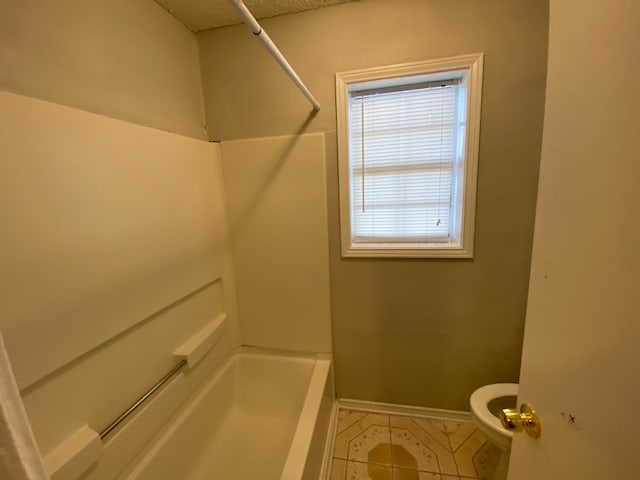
column 196, row 347
column 83, row 448
column 74, row 455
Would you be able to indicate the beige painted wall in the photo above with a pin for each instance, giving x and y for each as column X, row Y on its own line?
column 423, row 332
column 125, row 59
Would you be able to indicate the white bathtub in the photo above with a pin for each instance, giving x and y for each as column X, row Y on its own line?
column 261, row 416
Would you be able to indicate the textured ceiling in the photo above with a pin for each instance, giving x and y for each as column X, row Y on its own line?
column 200, row 15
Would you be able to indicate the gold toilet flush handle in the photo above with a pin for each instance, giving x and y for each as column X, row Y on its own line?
column 526, row 419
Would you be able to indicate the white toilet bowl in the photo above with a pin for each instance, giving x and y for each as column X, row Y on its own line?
column 486, row 403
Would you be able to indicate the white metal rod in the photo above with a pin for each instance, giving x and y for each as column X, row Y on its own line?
column 273, row 50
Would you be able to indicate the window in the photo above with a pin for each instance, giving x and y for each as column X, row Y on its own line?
column 408, row 148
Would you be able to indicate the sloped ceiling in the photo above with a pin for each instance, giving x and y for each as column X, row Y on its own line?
column 200, row 15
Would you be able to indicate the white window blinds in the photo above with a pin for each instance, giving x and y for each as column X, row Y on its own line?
column 403, row 155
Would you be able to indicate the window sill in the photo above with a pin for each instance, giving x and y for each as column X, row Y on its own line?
column 406, row 251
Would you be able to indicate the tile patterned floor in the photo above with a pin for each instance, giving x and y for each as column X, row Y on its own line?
column 372, row 446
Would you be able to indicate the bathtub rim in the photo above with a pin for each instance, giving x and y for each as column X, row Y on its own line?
column 294, row 464
column 301, row 443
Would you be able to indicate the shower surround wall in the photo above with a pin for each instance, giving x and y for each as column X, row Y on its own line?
column 115, row 242
column 115, row 252
column 277, row 202
column 115, row 246
column 420, row 332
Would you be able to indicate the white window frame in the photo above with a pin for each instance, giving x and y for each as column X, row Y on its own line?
column 472, row 66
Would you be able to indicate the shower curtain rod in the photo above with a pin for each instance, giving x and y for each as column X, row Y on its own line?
column 273, row 50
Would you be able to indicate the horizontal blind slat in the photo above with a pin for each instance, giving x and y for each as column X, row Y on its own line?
column 402, row 148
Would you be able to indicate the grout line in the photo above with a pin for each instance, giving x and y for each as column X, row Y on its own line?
column 439, row 472
column 348, row 451
column 342, row 431
column 438, row 458
column 450, row 450
column 350, row 425
column 464, row 441
column 474, row 456
column 370, row 463
column 364, row 429
column 373, row 463
column 393, row 461
column 418, row 469
column 453, row 452
column 435, row 440
column 451, row 447
column 442, row 474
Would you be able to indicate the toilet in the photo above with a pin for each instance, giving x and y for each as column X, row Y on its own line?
column 486, row 403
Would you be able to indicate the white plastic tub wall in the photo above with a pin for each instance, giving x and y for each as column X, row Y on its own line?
column 261, row 416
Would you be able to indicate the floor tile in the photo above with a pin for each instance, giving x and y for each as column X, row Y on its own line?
column 372, row 446
column 465, row 454
column 459, row 432
column 380, row 454
column 404, row 474
column 363, row 438
column 402, row 457
column 368, row 471
column 338, row 469
column 434, row 427
column 485, row 460
column 430, row 454
column 409, row 452
column 450, row 434
column 347, row 417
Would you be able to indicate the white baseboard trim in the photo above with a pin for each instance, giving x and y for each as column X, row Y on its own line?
column 408, row 410
column 327, row 459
